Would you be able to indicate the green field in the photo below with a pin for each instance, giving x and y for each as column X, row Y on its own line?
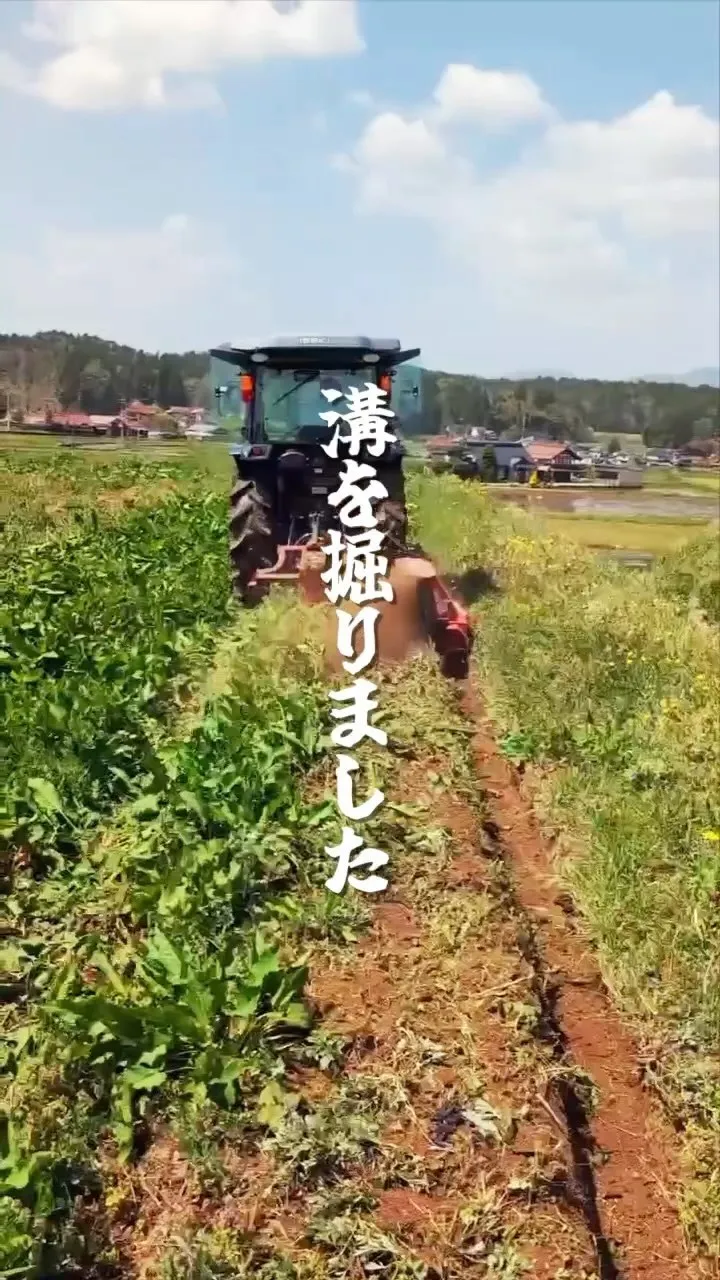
column 654, row 535
column 213, row 1068
column 629, row 442
column 679, row 480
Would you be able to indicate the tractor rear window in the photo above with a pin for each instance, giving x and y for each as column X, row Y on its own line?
column 291, row 401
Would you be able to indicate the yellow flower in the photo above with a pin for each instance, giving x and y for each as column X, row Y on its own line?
column 712, row 836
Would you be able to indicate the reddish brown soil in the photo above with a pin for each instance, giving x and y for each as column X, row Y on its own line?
column 399, row 983
column 635, row 1184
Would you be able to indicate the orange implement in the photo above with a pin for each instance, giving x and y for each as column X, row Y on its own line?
column 423, row 609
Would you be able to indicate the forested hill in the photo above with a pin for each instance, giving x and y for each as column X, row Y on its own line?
column 91, row 374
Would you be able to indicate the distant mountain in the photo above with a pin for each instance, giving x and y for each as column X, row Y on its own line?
column 531, row 375
column 708, row 377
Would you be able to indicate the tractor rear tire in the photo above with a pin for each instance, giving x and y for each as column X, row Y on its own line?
column 252, row 545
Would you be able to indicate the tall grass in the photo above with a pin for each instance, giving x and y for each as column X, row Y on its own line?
column 52, row 488
column 692, row 575
column 608, row 688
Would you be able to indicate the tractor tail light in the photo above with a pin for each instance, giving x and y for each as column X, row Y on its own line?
column 385, row 383
column 247, row 387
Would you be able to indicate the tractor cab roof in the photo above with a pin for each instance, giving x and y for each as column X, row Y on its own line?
column 317, row 353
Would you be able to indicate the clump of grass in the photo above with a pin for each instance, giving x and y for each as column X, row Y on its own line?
column 219, row 1254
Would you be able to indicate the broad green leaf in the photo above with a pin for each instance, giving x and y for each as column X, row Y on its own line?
column 147, row 806
column 297, row 1015
column 244, row 1002
column 144, row 1077
column 162, row 952
column 273, row 1104
column 45, row 795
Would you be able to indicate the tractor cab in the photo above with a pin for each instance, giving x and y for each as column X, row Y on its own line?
column 273, row 394
column 271, row 399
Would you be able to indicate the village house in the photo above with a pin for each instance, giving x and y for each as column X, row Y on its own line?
column 58, row 420
column 187, row 415
column 553, row 460
column 103, row 422
column 139, row 416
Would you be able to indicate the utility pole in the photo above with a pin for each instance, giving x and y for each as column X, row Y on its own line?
column 7, row 421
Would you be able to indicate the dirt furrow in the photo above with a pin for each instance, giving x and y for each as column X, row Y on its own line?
column 479, row 1112
column 624, row 1167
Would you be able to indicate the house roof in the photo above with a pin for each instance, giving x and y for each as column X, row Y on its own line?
column 72, row 419
column 548, row 450
column 442, row 442
column 136, row 406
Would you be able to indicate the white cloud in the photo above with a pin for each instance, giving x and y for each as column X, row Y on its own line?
column 404, row 164
column 496, row 100
column 121, row 281
column 594, row 224
column 159, row 53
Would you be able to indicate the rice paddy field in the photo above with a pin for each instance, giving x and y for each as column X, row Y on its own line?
column 506, row 1065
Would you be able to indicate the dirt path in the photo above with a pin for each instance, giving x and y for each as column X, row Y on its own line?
column 623, row 1164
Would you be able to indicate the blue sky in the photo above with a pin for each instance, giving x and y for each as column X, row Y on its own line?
column 510, row 186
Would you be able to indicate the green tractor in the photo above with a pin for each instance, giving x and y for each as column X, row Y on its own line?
column 270, row 398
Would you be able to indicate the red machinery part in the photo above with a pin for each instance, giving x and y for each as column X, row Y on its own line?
column 286, row 567
column 445, row 622
column 448, row 627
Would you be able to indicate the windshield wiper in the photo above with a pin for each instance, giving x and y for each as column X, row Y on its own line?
column 296, row 387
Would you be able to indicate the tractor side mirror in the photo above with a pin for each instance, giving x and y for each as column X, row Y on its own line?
column 408, row 395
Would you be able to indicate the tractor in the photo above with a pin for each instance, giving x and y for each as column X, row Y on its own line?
column 271, row 398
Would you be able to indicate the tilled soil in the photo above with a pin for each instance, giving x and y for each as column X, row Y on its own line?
column 487, row 1115
column 508, row 1130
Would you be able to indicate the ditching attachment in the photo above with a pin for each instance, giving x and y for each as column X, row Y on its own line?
column 447, row 625
column 285, row 569
column 423, row 609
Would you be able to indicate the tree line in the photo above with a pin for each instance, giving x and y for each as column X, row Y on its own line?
column 662, row 414
column 90, row 374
